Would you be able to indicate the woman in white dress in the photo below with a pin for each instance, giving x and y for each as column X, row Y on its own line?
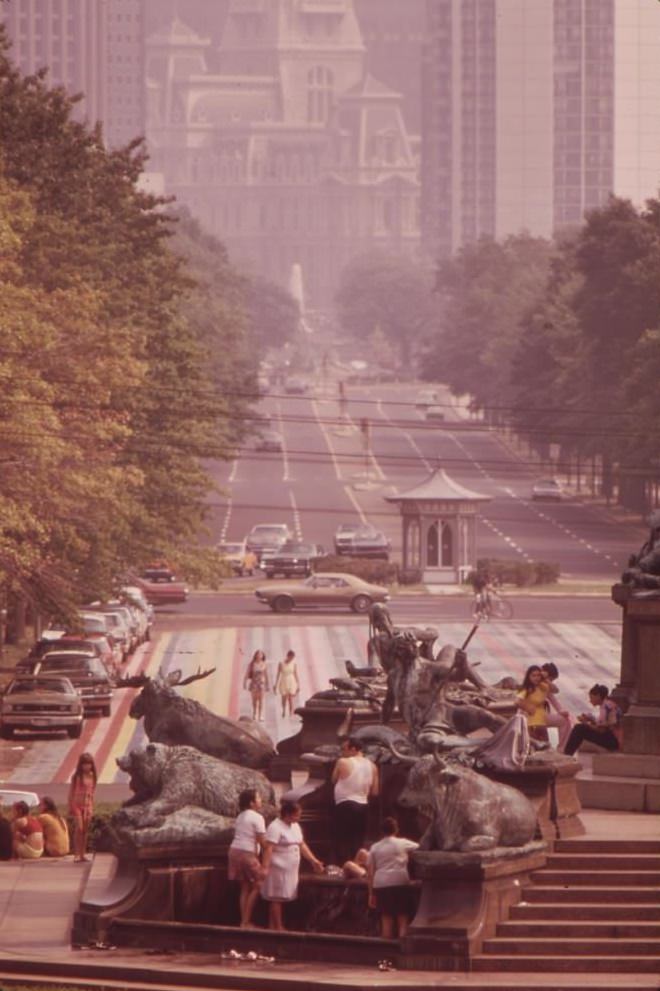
column 283, row 847
column 287, row 683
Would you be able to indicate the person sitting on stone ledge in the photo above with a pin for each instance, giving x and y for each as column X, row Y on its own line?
column 605, row 730
column 531, row 700
column 555, row 715
column 357, row 867
column 55, row 829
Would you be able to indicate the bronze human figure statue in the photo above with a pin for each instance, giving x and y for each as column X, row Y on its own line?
column 643, row 569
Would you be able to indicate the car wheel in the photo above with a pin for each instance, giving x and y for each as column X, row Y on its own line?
column 75, row 731
column 105, row 711
column 361, row 603
column 283, row 603
column 7, row 732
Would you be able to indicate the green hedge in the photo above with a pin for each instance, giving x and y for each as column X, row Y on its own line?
column 515, row 572
column 370, row 569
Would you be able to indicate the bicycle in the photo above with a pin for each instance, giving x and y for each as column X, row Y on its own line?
column 490, row 604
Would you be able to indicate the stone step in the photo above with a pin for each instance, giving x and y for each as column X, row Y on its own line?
column 552, row 928
column 530, row 964
column 603, row 862
column 129, row 976
column 621, row 794
column 569, row 947
column 593, row 878
column 607, row 846
column 586, row 895
column 586, row 912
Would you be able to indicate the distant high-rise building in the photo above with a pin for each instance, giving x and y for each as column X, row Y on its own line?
column 93, row 47
column 535, row 111
column 290, row 152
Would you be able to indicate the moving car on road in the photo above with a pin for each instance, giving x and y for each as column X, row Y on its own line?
column 161, row 586
column 267, row 537
column 328, row 589
column 548, row 489
column 39, row 704
column 269, row 440
column 435, row 414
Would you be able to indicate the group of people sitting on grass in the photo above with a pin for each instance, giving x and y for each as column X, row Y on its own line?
column 537, row 699
column 30, row 835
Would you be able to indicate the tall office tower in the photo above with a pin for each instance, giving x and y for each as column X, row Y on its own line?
column 93, row 47
column 393, row 32
column 534, row 111
column 291, row 153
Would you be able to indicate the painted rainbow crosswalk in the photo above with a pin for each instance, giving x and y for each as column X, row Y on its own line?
column 584, row 653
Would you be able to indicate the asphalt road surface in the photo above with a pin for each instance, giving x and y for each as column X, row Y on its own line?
column 326, row 475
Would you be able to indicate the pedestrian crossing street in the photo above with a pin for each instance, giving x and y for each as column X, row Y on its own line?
column 585, row 653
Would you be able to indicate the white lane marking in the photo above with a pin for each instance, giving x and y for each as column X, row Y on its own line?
column 234, row 470
column 225, row 523
column 326, row 437
column 285, row 454
column 296, row 514
column 356, row 504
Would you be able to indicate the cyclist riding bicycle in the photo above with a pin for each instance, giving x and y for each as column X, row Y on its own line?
column 482, row 585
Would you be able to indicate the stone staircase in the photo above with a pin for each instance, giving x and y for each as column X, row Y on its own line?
column 593, row 909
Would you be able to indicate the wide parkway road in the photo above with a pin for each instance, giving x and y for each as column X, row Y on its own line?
column 325, row 475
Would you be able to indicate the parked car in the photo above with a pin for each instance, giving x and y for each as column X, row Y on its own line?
column 40, row 703
column 162, row 587
column 242, row 561
column 435, row 414
column 87, row 675
column 344, row 537
column 96, row 643
column 292, row 559
column 135, row 596
column 267, row 537
column 331, row 589
column 548, row 489
column 97, row 623
column 362, row 540
column 269, row 440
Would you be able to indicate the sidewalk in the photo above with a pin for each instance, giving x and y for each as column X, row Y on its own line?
column 38, row 898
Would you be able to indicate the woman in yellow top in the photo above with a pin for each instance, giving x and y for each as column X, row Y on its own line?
column 55, row 829
column 531, row 699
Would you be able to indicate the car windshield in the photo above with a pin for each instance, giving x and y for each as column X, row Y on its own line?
column 230, row 548
column 72, row 663
column 291, row 548
column 27, row 685
column 268, row 531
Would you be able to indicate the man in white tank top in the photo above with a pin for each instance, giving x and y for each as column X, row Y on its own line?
column 355, row 778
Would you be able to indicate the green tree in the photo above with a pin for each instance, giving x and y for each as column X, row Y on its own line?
column 483, row 296
column 389, row 293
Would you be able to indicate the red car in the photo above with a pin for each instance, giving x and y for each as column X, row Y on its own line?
column 162, row 587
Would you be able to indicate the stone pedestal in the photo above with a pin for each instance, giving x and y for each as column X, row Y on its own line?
column 551, row 788
column 638, row 691
column 630, row 780
column 463, row 897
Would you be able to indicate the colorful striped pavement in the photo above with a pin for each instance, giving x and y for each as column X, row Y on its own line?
column 584, row 653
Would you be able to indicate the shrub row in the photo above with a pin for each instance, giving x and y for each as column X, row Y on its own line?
column 520, row 573
column 369, row 569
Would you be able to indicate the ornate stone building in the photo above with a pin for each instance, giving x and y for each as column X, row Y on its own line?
column 291, row 152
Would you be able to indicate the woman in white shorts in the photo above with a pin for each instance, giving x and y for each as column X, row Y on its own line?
column 244, row 865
